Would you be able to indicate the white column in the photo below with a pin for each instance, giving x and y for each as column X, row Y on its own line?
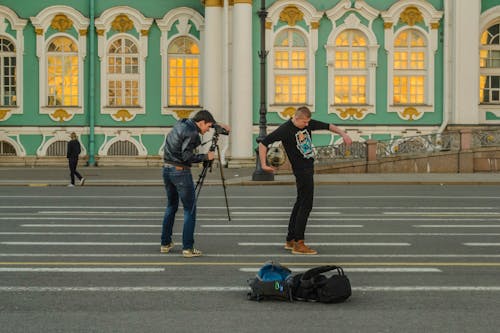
column 464, row 61
column 242, row 94
column 212, row 59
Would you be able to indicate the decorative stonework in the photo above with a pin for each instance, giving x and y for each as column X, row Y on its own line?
column 269, row 25
column 291, row 15
column 435, row 25
column 61, row 23
column 3, row 114
column 100, row 32
column 388, row 25
column 61, row 115
column 122, row 115
column 83, row 32
column 411, row 16
column 212, row 3
column 410, row 113
column 288, row 112
column 315, row 25
column 39, row 32
column 351, row 113
column 122, row 23
column 144, row 32
column 180, row 114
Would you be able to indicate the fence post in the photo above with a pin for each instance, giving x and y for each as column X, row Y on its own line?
column 371, row 156
column 465, row 158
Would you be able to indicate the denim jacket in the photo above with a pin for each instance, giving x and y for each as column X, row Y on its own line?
column 181, row 143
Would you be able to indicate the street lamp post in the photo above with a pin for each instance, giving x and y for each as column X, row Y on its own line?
column 260, row 174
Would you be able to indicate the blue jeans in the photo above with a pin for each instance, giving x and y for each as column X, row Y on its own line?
column 179, row 184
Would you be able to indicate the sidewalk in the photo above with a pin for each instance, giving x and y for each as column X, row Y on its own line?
column 143, row 176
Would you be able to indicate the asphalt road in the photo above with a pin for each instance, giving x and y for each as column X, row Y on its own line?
column 86, row 259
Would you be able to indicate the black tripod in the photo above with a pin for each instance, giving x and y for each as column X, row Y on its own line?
column 207, row 165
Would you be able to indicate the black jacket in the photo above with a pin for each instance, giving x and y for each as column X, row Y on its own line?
column 74, row 149
column 181, row 143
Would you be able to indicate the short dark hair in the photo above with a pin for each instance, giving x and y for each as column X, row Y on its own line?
column 303, row 112
column 204, row 115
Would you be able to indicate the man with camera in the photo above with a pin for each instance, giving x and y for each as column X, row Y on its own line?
column 296, row 137
column 179, row 154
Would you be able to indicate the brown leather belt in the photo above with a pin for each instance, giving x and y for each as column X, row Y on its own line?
column 177, row 167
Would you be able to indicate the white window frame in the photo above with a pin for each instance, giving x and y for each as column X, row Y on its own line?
column 42, row 22
column 352, row 22
column 311, row 17
column 9, row 17
column 431, row 18
column 103, row 25
column 487, row 19
column 182, row 18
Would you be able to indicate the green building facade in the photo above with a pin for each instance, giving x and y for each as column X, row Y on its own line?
column 120, row 76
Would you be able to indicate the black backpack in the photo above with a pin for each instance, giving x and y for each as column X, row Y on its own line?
column 271, row 283
column 314, row 286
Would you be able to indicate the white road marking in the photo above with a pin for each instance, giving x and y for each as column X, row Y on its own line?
column 370, row 234
column 203, row 225
column 325, row 244
column 82, row 243
column 242, row 289
column 81, row 270
column 362, row 270
column 456, row 225
column 238, row 255
column 481, row 244
column 279, row 225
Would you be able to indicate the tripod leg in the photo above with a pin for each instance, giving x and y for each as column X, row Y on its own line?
column 199, row 184
column 223, row 183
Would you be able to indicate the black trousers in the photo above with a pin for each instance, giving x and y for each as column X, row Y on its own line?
column 73, row 162
column 303, row 204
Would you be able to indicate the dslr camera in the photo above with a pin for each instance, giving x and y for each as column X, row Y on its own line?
column 220, row 130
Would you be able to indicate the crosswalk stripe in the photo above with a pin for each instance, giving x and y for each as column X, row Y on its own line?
column 242, row 289
column 81, row 270
column 325, row 244
column 481, row 244
column 362, row 270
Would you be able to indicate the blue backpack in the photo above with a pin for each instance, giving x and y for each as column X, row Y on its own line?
column 271, row 283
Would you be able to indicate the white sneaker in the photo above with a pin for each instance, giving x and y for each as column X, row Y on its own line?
column 190, row 253
column 71, row 185
column 82, row 181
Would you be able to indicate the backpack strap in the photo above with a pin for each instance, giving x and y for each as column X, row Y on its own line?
column 307, row 278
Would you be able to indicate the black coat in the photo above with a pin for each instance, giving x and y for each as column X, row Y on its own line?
column 74, row 149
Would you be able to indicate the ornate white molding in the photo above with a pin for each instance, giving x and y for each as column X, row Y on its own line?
column 53, row 135
column 122, row 135
column 16, row 24
column 8, row 135
column 181, row 18
column 311, row 17
column 141, row 25
column 79, row 23
column 352, row 21
column 431, row 18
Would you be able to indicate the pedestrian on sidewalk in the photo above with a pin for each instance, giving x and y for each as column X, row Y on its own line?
column 179, row 154
column 73, row 151
column 295, row 135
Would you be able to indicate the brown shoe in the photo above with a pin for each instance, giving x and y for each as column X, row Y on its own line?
column 289, row 245
column 301, row 248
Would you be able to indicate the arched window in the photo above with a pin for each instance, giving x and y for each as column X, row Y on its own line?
column 489, row 60
column 123, row 148
column 410, row 68
column 183, row 72
column 62, row 72
column 8, row 84
column 351, row 73
column 6, row 149
column 123, row 73
column 57, row 148
column 290, row 67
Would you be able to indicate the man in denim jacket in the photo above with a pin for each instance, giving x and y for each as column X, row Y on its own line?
column 179, row 154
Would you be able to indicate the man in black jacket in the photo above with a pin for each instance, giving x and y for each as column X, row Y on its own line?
column 179, row 154
column 296, row 137
column 73, row 151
